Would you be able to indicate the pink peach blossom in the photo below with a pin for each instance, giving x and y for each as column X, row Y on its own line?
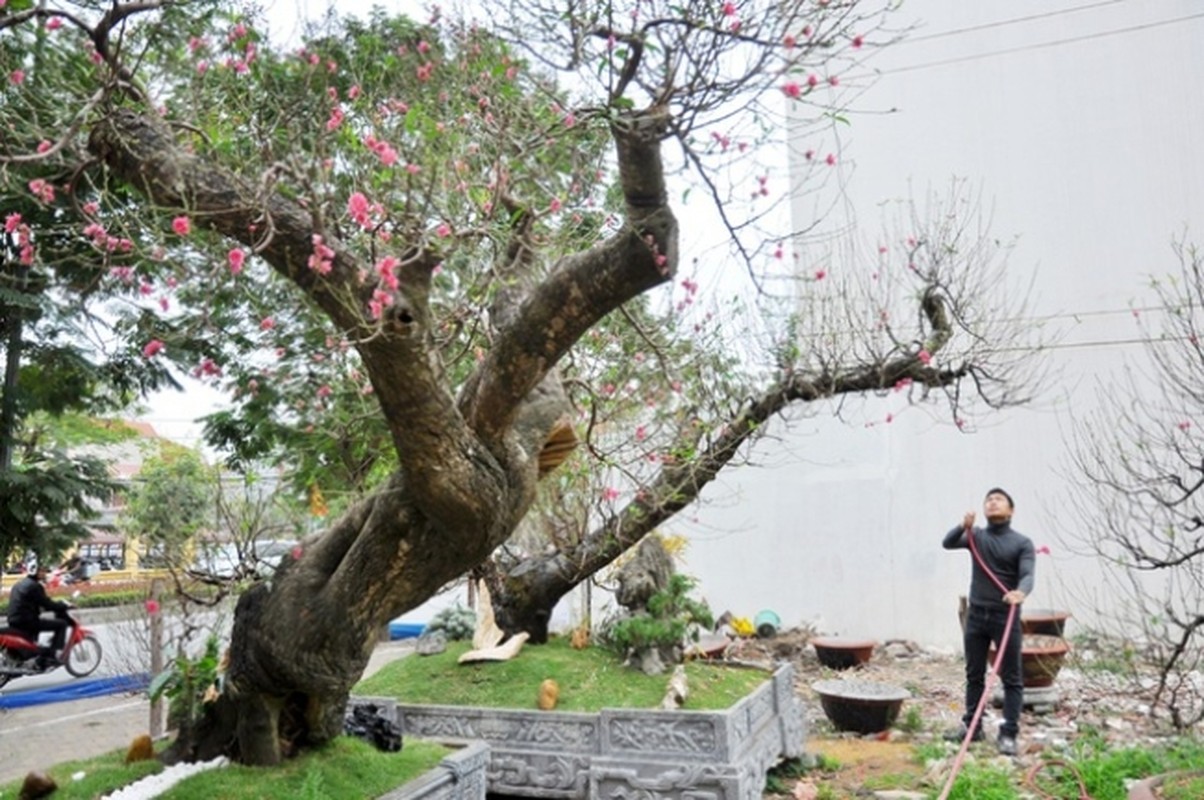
column 236, row 258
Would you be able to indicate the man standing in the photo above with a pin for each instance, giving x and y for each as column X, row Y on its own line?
column 26, row 602
column 1009, row 556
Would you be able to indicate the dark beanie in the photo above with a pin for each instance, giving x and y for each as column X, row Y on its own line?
column 997, row 490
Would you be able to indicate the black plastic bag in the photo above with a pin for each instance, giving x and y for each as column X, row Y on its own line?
column 368, row 722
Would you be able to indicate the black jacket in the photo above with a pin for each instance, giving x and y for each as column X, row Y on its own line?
column 27, row 601
column 1007, row 552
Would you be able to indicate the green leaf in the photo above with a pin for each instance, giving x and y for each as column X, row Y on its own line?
column 161, row 683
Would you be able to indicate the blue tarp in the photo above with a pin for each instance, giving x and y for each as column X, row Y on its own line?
column 76, row 690
column 405, row 630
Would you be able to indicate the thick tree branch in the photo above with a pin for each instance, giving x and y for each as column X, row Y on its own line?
column 679, row 484
column 584, row 287
column 444, row 465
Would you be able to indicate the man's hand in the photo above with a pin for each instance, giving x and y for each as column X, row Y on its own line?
column 968, row 520
column 1014, row 597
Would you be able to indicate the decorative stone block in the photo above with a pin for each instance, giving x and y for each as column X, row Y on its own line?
column 459, row 776
column 624, row 753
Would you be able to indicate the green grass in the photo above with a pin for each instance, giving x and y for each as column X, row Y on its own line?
column 102, row 774
column 347, row 768
column 589, row 680
column 1104, row 771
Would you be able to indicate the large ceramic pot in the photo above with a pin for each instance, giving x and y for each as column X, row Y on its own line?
column 835, row 652
column 1045, row 621
column 1187, row 785
column 1041, row 658
column 860, row 706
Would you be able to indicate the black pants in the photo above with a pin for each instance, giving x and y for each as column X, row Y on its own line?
column 984, row 626
column 58, row 626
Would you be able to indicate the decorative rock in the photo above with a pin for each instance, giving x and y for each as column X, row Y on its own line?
column 677, row 690
column 154, row 785
column 37, row 784
column 429, row 644
column 487, row 634
column 644, row 575
column 549, row 693
column 141, row 749
column 502, row 652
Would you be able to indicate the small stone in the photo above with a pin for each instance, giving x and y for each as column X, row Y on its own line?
column 430, row 644
column 141, row 749
column 549, row 693
column 37, row 784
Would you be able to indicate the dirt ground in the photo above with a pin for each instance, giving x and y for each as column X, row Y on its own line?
column 934, row 680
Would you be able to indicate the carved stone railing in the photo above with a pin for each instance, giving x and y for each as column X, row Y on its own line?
column 623, row 753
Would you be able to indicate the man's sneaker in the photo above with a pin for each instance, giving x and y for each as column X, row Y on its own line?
column 1006, row 745
column 959, row 733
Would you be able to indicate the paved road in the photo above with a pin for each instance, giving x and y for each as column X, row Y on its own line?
column 39, row 736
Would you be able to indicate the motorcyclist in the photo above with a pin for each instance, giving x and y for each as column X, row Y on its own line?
column 26, row 602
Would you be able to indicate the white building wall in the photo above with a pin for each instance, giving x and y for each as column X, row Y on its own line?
column 1083, row 131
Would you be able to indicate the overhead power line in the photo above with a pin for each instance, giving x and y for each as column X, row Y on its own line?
column 1004, row 22
column 1045, row 45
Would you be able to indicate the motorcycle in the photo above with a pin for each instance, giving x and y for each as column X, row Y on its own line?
column 19, row 656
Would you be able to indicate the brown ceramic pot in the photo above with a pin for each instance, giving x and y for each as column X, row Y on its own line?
column 837, row 653
column 1041, row 658
column 1045, row 621
column 1160, row 787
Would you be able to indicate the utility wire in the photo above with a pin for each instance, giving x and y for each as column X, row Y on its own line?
column 1043, row 45
column 1003, row 23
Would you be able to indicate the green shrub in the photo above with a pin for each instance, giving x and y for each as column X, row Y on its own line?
column 457, row 623
column 673, row 617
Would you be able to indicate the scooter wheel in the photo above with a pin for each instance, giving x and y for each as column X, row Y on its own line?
column 84, row 657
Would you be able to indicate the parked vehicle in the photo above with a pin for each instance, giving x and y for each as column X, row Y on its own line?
column 19, row 656
column 254, row 560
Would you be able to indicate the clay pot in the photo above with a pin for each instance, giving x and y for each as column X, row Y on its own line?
column 1045, row 621
column 1041, row 658
column 1161, row 787
column 860, row 706
column 837, row 653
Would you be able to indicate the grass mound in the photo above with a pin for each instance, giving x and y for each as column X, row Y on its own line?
column 589, row 680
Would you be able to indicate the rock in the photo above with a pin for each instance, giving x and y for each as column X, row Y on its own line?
column 37, row 784
column 429, row 644
column 549, row 693
column 677, row 690
column 141, row 749
column 644, row 575
column 502, row 652
column 487, row 634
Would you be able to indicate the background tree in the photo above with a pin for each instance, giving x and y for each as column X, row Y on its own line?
column 403, row 232
column 170, row 501
column 1139, row 503
column 58, row 354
